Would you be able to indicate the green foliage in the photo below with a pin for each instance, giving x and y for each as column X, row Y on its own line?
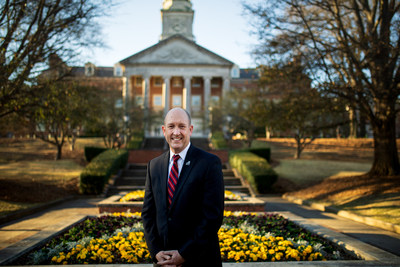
column 97, row 173
column 254, row 168
column 92, row 152
column 134, row 144
column 136, row 140
column 218, row 141
column 262, row 152
column 260, row 175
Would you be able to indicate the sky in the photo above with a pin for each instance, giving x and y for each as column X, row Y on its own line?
column 135, row 25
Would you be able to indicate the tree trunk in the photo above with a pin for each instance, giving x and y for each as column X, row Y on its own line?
column 299, row 147
column 59, row 151
column 353, row 123
column 386, row 158
column 362, row 130
column 73, row 142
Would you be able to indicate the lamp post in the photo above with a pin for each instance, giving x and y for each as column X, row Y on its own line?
column 126, row 129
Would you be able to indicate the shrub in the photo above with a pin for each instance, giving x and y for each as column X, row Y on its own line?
column 264, row 152
column 260, row 175
column 97, row 173
column 136, row 140
column 218, row 141
column 134, row 144
column 91, row 152
column 254, row 168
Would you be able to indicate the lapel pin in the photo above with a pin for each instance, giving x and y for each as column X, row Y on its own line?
column 188, row 163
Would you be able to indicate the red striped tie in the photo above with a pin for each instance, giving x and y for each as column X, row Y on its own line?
column 173, row 178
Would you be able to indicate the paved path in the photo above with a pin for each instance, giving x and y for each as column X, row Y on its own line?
column 17, row 235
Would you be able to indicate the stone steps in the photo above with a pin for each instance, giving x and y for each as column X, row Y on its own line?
column 134, row 177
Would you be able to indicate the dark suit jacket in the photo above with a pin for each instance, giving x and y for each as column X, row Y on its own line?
column 191, row 224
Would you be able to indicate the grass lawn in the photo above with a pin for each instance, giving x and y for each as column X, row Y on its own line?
column 29, row 175
column 335, row 176
column 307, row 171
column 9, row 206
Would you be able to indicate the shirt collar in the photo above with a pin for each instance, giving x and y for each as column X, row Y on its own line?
column 182, row 155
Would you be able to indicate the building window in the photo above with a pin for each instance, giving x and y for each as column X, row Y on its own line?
column 215, row 83
column 157, row 81
column 177, row 100
column 139, row 100
column 215, row 100
column 138, row 81
column 119, row 103
column 89, row 69
column 176, row 82
column 196, row 102
column 157, row 100
column 117, row 71
column 196, row 82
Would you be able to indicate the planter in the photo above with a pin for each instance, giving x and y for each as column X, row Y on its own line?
column 112, row 204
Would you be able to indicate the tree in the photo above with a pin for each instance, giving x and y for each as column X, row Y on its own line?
column 245, row 109
column 305, row 115
column 62, row 112
column 352, row 50
column 297, row 109
column 31, row 31
column 112, row 122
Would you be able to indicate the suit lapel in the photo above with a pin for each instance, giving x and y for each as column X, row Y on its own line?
column 164, row 178
column 187, row 167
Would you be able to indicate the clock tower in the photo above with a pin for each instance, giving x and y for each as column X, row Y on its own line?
column 177, row 18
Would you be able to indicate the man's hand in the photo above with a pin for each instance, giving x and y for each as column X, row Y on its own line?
column 170, row 258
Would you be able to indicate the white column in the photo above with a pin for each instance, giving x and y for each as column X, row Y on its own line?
column 145, row 95
column 125, row 91
column 166, row 93
column 145, row 91
column 187, row 93
column 227, row 84
column 207, row 94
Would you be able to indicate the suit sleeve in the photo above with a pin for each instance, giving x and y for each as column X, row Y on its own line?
column 212, row 211
column 151, row 234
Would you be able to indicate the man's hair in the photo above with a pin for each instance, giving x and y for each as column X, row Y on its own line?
column 187, row 113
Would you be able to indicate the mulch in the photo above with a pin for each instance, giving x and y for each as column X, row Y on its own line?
column 36, row 192
column 349, row 187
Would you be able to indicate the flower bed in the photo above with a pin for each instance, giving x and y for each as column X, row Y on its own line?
column 133, row 202
column 244, row 237
column 138, row 195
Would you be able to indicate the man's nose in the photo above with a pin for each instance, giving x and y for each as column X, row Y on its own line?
column 176, row 131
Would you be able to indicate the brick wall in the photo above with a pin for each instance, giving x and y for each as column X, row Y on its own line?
column 144, row 156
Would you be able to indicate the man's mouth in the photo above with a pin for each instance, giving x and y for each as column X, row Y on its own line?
column 176, row 138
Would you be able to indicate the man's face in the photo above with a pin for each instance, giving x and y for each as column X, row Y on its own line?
column 177, row 130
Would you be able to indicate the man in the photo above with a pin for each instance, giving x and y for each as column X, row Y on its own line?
column 181, row 220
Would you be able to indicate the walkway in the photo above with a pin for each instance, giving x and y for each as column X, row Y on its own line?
column 19, row 235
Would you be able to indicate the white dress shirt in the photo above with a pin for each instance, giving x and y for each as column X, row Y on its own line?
column 181, row 160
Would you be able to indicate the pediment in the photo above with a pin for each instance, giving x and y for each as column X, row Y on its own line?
column 176, row 50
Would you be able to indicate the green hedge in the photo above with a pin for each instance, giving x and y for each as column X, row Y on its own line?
column 218, row 141
column 136, row 140
column 134, row 144
column 91, row 152
column 255, row 169
column 262, row 152
column 97, row 173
